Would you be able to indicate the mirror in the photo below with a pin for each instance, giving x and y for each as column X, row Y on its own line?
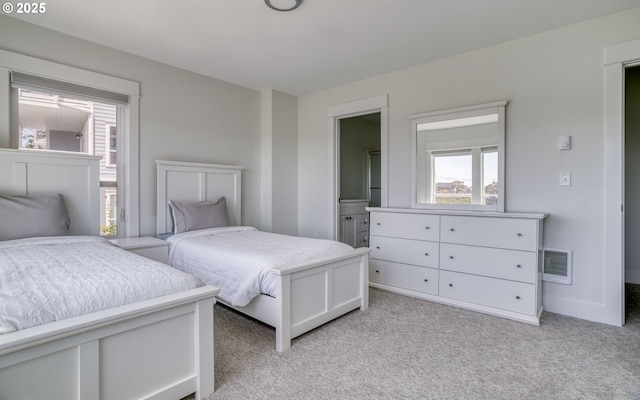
column 458, row 158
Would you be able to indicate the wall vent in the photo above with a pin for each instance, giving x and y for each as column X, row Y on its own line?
column 556, row 265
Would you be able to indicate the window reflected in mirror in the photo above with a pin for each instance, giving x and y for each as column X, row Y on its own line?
column 458, row 158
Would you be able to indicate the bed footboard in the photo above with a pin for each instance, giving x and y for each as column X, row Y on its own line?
column 317, row 292
column 155, row 349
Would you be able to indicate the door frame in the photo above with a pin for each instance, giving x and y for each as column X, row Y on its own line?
column 617, row 58
column 353, row 109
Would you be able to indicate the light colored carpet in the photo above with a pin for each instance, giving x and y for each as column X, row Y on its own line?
column 405, row 348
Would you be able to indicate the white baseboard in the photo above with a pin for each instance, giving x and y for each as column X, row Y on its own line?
column 590, row 311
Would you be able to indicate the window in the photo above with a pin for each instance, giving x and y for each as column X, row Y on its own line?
column 69, row 122
column 109, row 222
column 49, row 119
column 70, row 114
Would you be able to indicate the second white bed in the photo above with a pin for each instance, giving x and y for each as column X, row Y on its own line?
column 310, row 289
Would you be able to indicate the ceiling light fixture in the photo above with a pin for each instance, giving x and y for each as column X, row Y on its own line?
column 268, row 3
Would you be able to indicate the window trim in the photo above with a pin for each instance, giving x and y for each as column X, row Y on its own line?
column 130, row 119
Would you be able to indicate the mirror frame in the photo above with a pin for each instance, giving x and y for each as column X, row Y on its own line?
column 455, row 113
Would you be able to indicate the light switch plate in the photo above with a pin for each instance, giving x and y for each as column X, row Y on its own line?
column 565, row 178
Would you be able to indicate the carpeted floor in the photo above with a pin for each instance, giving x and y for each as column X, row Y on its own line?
column 404, row 348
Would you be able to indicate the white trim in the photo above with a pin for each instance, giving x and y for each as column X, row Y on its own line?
column 467, row 111
column 359, row 107
column 52, row 70
column 616, row 58
column 351, row 109
column 622, row 53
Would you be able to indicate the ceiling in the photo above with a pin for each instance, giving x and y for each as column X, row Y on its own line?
column 323, row 43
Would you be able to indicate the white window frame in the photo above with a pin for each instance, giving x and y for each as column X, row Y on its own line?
column 129, row 223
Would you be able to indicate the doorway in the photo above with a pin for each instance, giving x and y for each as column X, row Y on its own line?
column 359, row 138
column 631, row 184
column 618, row 58
column 358, row 172
column 368, row 108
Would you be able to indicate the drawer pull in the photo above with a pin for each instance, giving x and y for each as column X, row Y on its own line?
column 517, row 297
column 451, row 285
column 518, row 266
column 378, row 247
column 451, row 257
column 378, row 223
column 426, row 227
column 519, row 234
column 426, row 280
column 452, row 230
column 426, row 254
column 377, row 271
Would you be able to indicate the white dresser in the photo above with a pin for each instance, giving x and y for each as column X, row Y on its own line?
column 487, row 262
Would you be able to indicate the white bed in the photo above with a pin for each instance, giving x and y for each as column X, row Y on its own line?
column 159, row 348
column 307, row 293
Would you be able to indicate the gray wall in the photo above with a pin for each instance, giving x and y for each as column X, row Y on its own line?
column 183, row 116
column 554, row 83
column 279, row 150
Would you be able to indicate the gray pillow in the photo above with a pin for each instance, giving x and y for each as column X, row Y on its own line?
column 30, row 216
column 199, row 215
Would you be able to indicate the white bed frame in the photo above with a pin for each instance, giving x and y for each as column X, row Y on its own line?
column 308, row 294
column 160, row 348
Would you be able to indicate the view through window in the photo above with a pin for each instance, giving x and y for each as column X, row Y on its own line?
column 49, row 121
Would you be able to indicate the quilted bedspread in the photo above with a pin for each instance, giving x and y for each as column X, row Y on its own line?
column 239, row 259
column 48, row 279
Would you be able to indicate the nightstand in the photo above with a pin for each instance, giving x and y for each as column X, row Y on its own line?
column 146, row 246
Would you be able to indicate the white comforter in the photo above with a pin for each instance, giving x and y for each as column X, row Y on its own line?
column 48, row 279
column 239, row 259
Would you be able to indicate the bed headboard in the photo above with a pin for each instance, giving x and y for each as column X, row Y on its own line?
column 185, row 181
column 76, row 176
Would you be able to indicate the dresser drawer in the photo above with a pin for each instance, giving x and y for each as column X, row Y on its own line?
column 514, row 265
column 405, row 251
column 411, row 277
column 506, row 233
column 409, row 226
column 506, row 295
